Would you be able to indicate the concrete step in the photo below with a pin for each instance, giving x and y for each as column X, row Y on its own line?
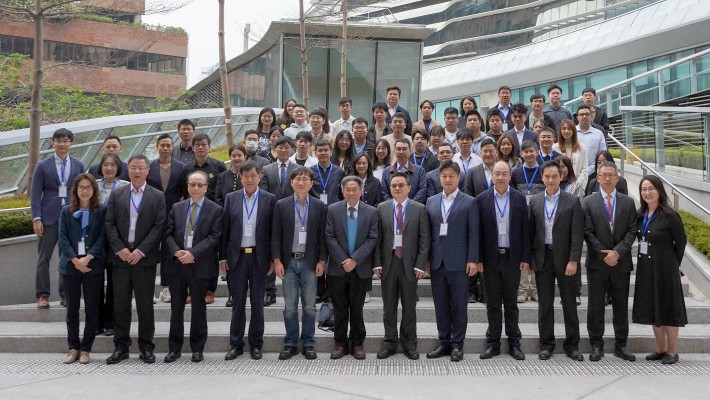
column 40, row 337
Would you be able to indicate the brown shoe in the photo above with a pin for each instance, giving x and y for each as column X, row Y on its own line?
column 338, row 352
column 84, row 357
column 358, row 353
column 63, row 301
column 42, row 302
column 71, row 357
column 209, row 298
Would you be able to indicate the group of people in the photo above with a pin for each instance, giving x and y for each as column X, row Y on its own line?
column 494, row 217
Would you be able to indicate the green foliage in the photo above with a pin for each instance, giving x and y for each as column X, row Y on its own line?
column 18, row 201
column 220, row 153
column 698, row 232
column 15, row 224
column 683, row 156
column 160, row 28
column 95, row 18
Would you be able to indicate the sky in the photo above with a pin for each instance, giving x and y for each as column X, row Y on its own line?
column 200, row 19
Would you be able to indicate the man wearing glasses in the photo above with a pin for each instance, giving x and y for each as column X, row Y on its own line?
column 591, row 137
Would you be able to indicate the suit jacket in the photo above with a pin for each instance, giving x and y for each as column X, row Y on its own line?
column 593, row 185
column 461, row 244
column 527, row 135
column 271, row 180
column 94, row 170
column 417, row 178
column 70, row 235
column 408, row 127
column 149, row 227
column 207, row 232
column 44, row 195
column 172, row 192
column 415, row 238
column 226, row 185
column 333, row 184
column 372, row 195
column 567, row 229
column 231, row 243
column 419, row 126
column 540, row 160
column 475, row 181
column 336, row 238
column 283, row 231
column 369, row 149
column 433, row 183
column 600, row 237
column 518, row 228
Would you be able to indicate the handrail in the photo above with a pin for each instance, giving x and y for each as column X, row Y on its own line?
column 14, row 210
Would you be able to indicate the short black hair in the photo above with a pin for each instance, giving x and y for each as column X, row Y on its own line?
column 551, row 164
column 451, row 165
column 345, row 100
column 250, row 132
column 399, row 91
column 324, row 142
column 360, row 120
column 424, row 134
column 527, row 144
column 380, row 106
column 584, row 107
column 476, row 113
column 431, row 104
column 248, row 166
column 163, row 136
column 139, row 157
column 63, row 133
column 451, row 110
column 186, row 122
column 520, row 108
column 305, row 135
column 589, row 90
column 319, row 113
column 301, row 170
column 201, row 137
column 553, row 87
column 504, row 88
column 401, row 175
column 109, row 137
column 284, row 140
column 400, row 115
column 464, row 133
column 494, row 112
column 536, row 96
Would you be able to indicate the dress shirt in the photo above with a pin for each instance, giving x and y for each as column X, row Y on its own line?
column 549, row 222
column 505, row 110
column 448, row 200
column 402, row 168
column 296, row 246
column 593, row 140
column 489, row 176
column 347, row 209
column 543, row 156
column 520, row 135
column 503, row 204
column 136, row 200
column 187, row 219
column 343, row 124
column 184, row 155
column 65, row 165
column 613, row 204
column 250, row 241
column 450, row 138
column 473, row 161
column 404, row 211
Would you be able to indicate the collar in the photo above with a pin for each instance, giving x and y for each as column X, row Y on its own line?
column 294, row 125
column 58, row 159
column 188, row 148
column 395, row 167
column 403, row 204
column 357, row 205
column 326, row 168
column 550, row 198
column 533, row 167
column 501, row 196
column 140, row 189
column 450, row 197
column 613, row 192
column 252, row 196
column 582, row 131
column 500, row 107
column 279, row 163
column 199, row 203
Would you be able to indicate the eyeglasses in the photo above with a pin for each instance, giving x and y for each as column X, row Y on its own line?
column 85, row 188
column 197, row 185
column 64, row 141
column 648, row 190
column 607, row 176
column 137, row 169
column 302, row 179
column 397, row 185
column 200, row 145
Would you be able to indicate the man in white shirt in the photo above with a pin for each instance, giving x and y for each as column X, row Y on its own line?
column 465, row 157
column 591, row 137
column 299, row 122
column 345, row 105
column 451, row 127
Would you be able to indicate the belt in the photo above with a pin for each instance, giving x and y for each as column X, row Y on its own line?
column 503, row 250
column 548, row 247
column 298, row 256
column 248, row 250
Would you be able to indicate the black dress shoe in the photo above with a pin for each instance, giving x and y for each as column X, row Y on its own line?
column 288, row 352
column 575, row 355
column 117, row 357
column 516, row 353
column 233, row 353
column 411, row 354
column 655, row 356
column 489, row 352
column 229, row 302
column 624, row 354
column 147, row 356
column 309, row 352
column 596, row 354
column 385, row 353
column 456, row 353
column 197, row 356
column 669, row 359
column 472, row 298
column 255, row 353
column 269, row 299
column 319, row 299
column 544, row 355
column 108, row 332
column 439, row 351
column 172, row 356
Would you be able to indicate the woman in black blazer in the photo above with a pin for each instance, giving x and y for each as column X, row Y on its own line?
column 82, row 261
column 228, row 181
column 362, row 167
column 593, row 185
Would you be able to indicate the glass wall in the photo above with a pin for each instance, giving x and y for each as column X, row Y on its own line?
column 254, row 84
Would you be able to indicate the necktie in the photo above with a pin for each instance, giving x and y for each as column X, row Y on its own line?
column 398, row 250
column 609, row 209
column 283, row 174
column 546, row 158
column 351, row 212
column 193, row 217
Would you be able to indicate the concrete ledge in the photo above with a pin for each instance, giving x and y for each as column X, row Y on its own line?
column 18, row 257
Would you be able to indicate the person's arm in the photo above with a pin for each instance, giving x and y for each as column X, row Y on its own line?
column 420, row 196
column 368, row 247
column 151, row 242
column 678, row 235
column 473, row 233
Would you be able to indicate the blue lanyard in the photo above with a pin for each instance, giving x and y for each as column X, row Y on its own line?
column 298, row 211
column 404, row 212
column 465, row 166
column 64, row 171
column 197, row 217
column 529, row 184
column 421, row 164
column 613, row 210
column 444, row 211
column 103, row 184
column 325, row 185
column 505, row 207
column 551, row 216
column 646, row 221
column 138, row 207
column 427, row 124
column 253, row 205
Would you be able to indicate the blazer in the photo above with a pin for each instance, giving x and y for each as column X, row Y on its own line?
column 211, row 167
column 283, row 231
column 333, row 184
column 336, row 238
column 415, row 238
column 94, row 170
column 44, row 195
column 271, row 180
column 172, row 193
column 433, row 183
column 527, row 135
column 369, row 149
column 600, row 237
column 149, row 227
column 226, row 184
column 70, row 235
column 372, row 195
column 417, row 178
column 593, row 185
column 540, row 160
column 419, row 125
column 567, row 229
column 231, row 243
column 518, row 228
column 475, row 181
column 461, row 244
column 408, row 127
column 207, row 232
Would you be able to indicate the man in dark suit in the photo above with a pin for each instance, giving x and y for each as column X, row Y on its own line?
column 557, row 228
column 275, row 180
column 112, row 144
column 135, row 220
column 191, row 239
column 454, row 255
column 505, row 251
column 393, row 94
column 326, row 185
column 421, row 155
column 610, row 231
column 299, row 251
column 351, row 235
column 519, row 132
column 51, row 181
column 546, row 139
column 479, row 178
column 245, row 252
column 400, row 260
column 433, row 185
column 417, row 174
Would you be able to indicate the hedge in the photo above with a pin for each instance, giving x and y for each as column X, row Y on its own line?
column 698, row 232
column 686, row 157
column 15, row 224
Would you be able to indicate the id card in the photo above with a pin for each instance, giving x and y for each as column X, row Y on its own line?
column 81, row 251
column 62, row 191
column 527, row 198
column 249, row 231
column 302, row 237
column 188, row 241
column 502, row 228
column 324, row 198
column 643, row 247
column 444, row 229
column 397, row 240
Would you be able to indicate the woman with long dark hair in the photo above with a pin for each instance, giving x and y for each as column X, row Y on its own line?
column 267, row 120
column 570, row 181
column 270, row 152
column 381, row 158
column 362, row 167
column 467, row 103
column 569, row 145
column 658, row 298
column 344, row 151
column 593, row 185
column 83, row 257
column 505, row 148
column 286, row 118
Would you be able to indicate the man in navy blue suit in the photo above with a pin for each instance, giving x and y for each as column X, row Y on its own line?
column 519, row 132
column 50, row 182
column 454, row 256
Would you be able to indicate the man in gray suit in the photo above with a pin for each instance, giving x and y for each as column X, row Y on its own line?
column 479, row 178
column 400, row 260
column 351, row 236
column 134, row 228
column 557, row 228
column 610, row 231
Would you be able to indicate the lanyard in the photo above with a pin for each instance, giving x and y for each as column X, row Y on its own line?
column 465, row 166
column 103, row 184
column 298, row 211
column 551, row 216
column 325, row 184
column 253, row 205
column 529, row 184
column 421, row 164
column 197, row 217
column 64, row 171
column 444, row 211
column 613, row 209
column 404, row 212
column 138, row 207
column 646, row 221
column 427, row 124
column 505, row 207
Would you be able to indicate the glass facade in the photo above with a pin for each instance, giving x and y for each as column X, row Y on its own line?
column 255, row 83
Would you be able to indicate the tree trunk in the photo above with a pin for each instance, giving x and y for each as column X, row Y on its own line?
column 343, row 51
column 36, row 104
column 229, row 131
column 304, row 53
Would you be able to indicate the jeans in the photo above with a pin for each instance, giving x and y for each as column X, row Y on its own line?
column 299, row 281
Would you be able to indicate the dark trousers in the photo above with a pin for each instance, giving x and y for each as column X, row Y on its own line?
column 502, row 288
column 129, row 280
column 247, row 275
column 271, row 284
column 91, row 285
column 212, row 285
column 450, row 292
column 106, row 300
column 396, row 286
column 164, row 258
column 45, row 247
column 347, row 293
column 546, row 308
column 475, row 280
column 179, row 284
column 602, row 281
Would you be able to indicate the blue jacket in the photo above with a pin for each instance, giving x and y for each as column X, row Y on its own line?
column 461, row 244
column 44, row 196
column 70, row 235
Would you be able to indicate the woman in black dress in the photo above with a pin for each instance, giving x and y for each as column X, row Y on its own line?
column 344, row 151
column 362, row 167
column 658, row 299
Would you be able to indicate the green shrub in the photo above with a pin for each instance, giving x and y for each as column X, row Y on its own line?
column 220, row 153
column 15, row 224
column 698, row 232
column 686, row 157
column 18, row 201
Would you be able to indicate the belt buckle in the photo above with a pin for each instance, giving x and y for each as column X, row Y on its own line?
column 502, row 251
column 299, row 256
column 247, row 250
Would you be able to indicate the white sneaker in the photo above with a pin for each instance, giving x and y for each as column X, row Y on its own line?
column 367, row 297
column 164, row 295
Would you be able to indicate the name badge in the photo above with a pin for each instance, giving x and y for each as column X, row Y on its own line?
column 397, row 240
column 527, row 198
column 249, row 230
column 502, row 228
column 188, row 241
column 132, row 227
column 62, row 191
column 324, row 198
column 444, row 229
column 302, row 237
column 643, row 247
column 82, row 248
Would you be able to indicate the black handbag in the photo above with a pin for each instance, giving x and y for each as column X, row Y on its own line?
column 326, row 317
